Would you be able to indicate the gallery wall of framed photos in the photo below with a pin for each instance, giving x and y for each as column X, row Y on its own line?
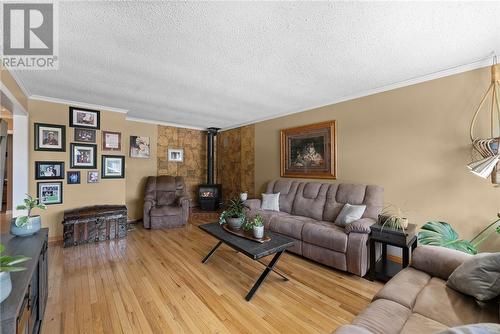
column 87, row 156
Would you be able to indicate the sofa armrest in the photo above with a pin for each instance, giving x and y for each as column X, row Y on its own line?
column 252, row 204
column 437, row 261
column 148, row 204
column 182, row 201
column 360, row 226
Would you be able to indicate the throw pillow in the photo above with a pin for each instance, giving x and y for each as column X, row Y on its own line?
column 349, row 213
column 478, row 277
column 482, row 328
column 271, row 202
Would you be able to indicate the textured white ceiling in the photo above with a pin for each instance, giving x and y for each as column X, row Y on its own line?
column 227, row 63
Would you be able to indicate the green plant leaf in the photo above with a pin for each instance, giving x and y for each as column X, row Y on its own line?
column 11, row 269
column 21, row 207
column 4, row 260
column 21, row 221
column 2, row 248
column 18, row 259
column 438, row 233
column 41, row 206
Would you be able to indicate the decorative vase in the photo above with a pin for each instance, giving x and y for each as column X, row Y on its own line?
column 258, row 232
column 32, row 226
column 235, row 223
column 243, row 196
column 5, row 285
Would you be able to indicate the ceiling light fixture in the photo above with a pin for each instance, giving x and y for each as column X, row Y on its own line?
column 488, row 148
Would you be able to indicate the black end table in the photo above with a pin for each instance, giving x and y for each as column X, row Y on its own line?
column 254, row 250
column 384, row 269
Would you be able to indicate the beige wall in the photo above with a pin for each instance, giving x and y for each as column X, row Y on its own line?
column 139, row 169
column 127, row 191
column 413, row 141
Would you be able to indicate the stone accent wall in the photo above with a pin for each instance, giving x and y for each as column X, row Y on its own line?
column 194, row 167
column 236, row 161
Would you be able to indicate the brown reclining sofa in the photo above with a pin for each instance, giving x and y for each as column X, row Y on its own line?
column 307, row 212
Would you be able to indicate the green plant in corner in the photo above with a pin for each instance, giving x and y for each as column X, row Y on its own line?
column 30, row 203
column 235, row 209
column 438, row 233
column 8, row 263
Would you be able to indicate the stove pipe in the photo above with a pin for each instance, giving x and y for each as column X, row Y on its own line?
column 212, row 132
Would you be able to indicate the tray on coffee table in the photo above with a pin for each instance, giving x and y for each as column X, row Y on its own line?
column 246, row 234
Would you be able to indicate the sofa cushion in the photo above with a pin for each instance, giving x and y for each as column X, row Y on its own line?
column 310, row 200
column 287, row 190
column 437, row 261
column 165, row 197
column 478, row 277
column 289, row 225
column 266, row 215
column 159, row 211
column 447, row 306
column 404, row 287
column 383, row 317
column 326, row 235
column 340, row 194
column 418, row 324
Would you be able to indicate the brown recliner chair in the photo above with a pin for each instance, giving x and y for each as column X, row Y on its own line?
column 165, row 202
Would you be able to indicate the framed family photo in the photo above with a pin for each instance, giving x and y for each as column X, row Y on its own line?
column 46, row 170
column 50, row 192
column 111, row 141
column 139, row 147
column 83, row 156
column 175, row 154
column 93, row 176
column 85, row 135
column 113, row 167
column 309, row 151
column 73, row 177
column 84, row 118
column 50, row 137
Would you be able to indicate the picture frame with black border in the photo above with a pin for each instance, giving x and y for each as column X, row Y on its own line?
column 73, row 177
column 83, row 156
column 84, row 118
column 112, row 166
column 50, row 193
column 50, row 137
column 49, row 170
column 111, row 141
column 83, row 135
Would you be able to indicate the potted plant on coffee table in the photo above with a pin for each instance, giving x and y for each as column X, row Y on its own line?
column 28, row 224
column 257, row 227
column 8, row 265
column 234, row 215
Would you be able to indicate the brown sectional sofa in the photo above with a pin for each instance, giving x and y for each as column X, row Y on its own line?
column 417, row 300
column 307, row 212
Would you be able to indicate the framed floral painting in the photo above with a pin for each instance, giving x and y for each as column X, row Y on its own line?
column 309, row 151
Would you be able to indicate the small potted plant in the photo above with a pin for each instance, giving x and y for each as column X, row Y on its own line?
column 258, row 227
column 392, row 217
column 29, row 224
column 7, row 265
column 234, row 215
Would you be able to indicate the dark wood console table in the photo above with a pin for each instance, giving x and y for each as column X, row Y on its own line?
column 23, row 310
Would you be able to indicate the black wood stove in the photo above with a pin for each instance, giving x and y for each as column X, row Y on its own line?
column 210, row 194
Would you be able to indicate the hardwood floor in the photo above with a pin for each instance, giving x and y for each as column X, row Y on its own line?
column 154, row 282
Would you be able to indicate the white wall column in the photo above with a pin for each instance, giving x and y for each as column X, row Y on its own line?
column 20, row 173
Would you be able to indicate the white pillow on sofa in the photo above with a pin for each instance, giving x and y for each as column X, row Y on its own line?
column 349, row 213
column 271, row 202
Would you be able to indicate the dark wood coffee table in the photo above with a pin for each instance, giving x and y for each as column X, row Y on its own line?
column 254, row 250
